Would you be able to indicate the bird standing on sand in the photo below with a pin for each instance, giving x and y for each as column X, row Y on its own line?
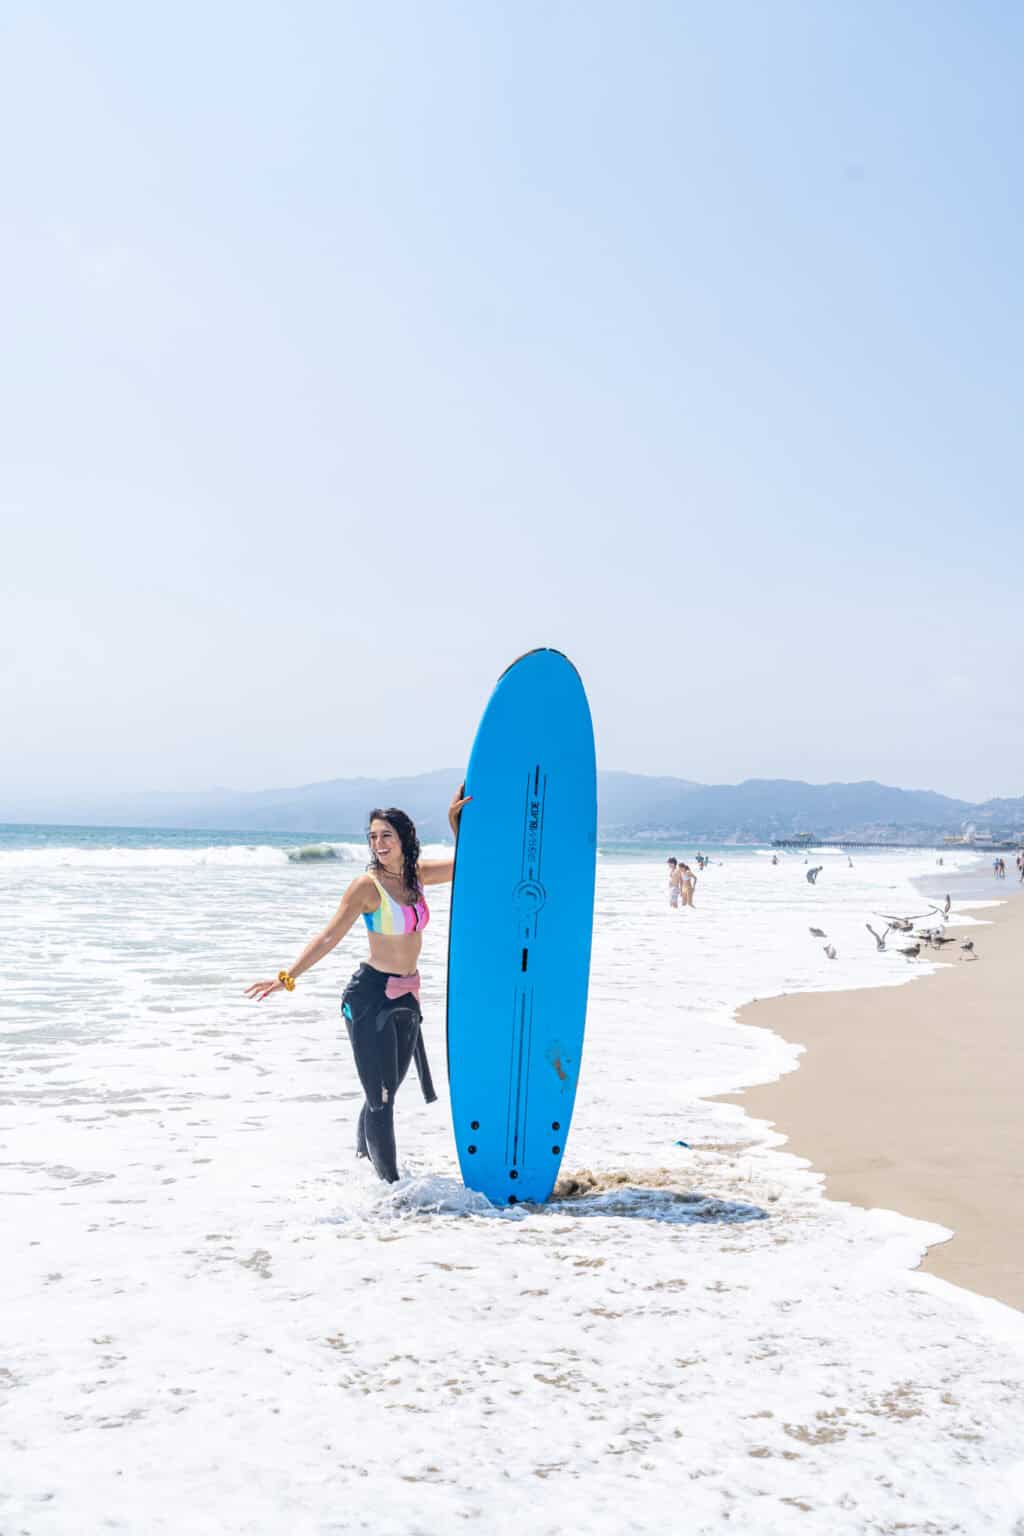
column 911, row 951
column 968, row 948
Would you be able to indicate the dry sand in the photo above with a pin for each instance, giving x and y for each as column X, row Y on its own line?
column 912, row 1099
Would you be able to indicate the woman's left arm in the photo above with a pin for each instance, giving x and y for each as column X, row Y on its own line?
column 436, row 871
column 440, row 871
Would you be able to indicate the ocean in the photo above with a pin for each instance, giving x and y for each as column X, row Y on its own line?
column 212, row 1319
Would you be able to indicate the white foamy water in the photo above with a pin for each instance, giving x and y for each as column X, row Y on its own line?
column 226, row 855
column 213, row 1320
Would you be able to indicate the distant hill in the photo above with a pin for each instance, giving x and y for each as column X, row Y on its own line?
column 334, row 807
column 760, row 809
column 631, row 806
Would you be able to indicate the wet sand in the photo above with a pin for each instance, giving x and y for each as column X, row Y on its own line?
column 912, row 1099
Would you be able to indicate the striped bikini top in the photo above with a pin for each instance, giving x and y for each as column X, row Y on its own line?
column 391, row 917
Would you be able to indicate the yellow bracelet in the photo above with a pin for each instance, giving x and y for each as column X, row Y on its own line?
column 288, row 982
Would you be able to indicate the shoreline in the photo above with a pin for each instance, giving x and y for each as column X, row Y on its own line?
column 908, row 1099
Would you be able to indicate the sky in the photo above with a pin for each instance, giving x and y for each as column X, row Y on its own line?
column 351, row 350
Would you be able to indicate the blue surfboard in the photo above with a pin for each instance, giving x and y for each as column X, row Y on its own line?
column 521, row 923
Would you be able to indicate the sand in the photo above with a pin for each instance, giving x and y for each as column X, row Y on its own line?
column 910, row 1099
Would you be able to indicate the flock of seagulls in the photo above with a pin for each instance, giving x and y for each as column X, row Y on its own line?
column 933, row 937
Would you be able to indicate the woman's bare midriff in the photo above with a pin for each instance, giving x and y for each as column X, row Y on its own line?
column 399, row 957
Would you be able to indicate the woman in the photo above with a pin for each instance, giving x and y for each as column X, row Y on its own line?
column 381, row 1004
column 687, row 884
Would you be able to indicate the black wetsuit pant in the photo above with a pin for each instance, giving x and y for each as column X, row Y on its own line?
column 385, row 1036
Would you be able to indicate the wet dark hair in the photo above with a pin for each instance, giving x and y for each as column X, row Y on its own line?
column 406, row 829
column 671, row 860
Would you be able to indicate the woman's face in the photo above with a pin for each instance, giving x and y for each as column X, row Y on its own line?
column 385, row 844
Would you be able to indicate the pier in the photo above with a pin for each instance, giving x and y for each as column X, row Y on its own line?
column 841, row 842
column 806, row 841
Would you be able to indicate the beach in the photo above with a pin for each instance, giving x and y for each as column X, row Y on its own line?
column 214, row 1320
column 909, row 1099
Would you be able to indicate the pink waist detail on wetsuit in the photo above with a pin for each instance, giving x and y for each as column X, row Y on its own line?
column 400, row 986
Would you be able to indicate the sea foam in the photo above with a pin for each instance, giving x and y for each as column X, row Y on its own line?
column 214, row 1314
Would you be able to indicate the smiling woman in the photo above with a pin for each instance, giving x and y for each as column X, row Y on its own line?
column 381, row 1004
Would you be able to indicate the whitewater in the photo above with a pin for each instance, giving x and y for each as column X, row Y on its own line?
column 213, row 1320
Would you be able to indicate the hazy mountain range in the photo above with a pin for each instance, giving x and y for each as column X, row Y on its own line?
column 631, row 805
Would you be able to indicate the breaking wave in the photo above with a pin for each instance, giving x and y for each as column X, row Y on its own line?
column 226, row 856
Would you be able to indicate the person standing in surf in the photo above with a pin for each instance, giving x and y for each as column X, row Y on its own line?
column 381, row 1004
column 673, row 883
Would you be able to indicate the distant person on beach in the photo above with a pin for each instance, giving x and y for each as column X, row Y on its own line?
column 775, row 858
column 812, row 874
column 381, row 1004
column 673, row 882
column 687, row 885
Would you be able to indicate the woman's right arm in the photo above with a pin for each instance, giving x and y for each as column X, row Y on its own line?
column 353, row 904
column 440, row 871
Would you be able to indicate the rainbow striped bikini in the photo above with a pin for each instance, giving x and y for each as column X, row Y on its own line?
column 391, row 917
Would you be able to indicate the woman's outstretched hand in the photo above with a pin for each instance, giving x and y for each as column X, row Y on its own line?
column 459, row 799
column 261, row 989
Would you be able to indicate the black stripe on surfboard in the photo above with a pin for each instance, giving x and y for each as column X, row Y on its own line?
column 539, row 650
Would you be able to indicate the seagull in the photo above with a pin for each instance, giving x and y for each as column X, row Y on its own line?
column 903, row 924
column 879, row 938
column 831, row 951
column 912, row 951
column 932, row 936
column 817, row 933
column 968, row 948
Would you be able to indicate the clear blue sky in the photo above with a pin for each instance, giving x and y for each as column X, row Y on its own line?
column 350, row 350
